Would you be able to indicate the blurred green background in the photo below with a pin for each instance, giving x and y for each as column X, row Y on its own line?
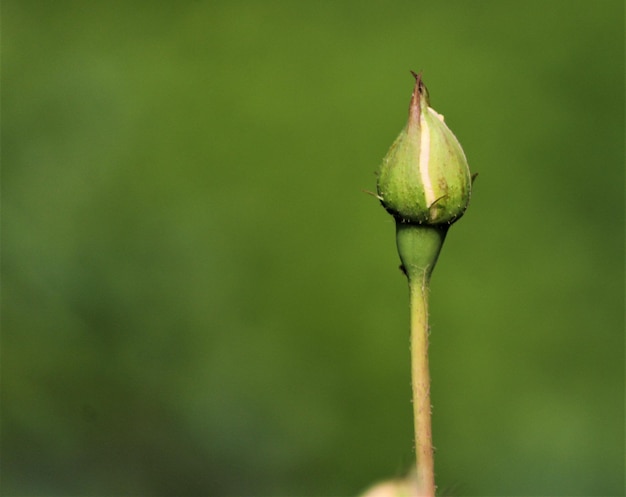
column 200, row 300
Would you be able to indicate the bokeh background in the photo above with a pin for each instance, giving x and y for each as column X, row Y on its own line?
column 200, row 300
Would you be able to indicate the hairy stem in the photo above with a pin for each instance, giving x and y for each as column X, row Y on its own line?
column 419, row 248
column 420, row 375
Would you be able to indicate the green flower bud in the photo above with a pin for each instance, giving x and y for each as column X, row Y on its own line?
column 424, row 178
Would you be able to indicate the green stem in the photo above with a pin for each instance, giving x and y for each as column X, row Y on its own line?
column 419, row 248
column 421, row 389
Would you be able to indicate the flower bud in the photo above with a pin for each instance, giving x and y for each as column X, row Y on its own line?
column 424, row 178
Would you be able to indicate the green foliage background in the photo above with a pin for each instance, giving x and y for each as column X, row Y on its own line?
column 199, row 299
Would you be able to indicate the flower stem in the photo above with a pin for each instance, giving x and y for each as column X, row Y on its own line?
column 420, row 376
column 419, row 247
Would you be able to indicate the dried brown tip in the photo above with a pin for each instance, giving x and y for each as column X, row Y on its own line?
column 418, row 90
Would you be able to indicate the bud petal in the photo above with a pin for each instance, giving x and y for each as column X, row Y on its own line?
column 424, row 178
